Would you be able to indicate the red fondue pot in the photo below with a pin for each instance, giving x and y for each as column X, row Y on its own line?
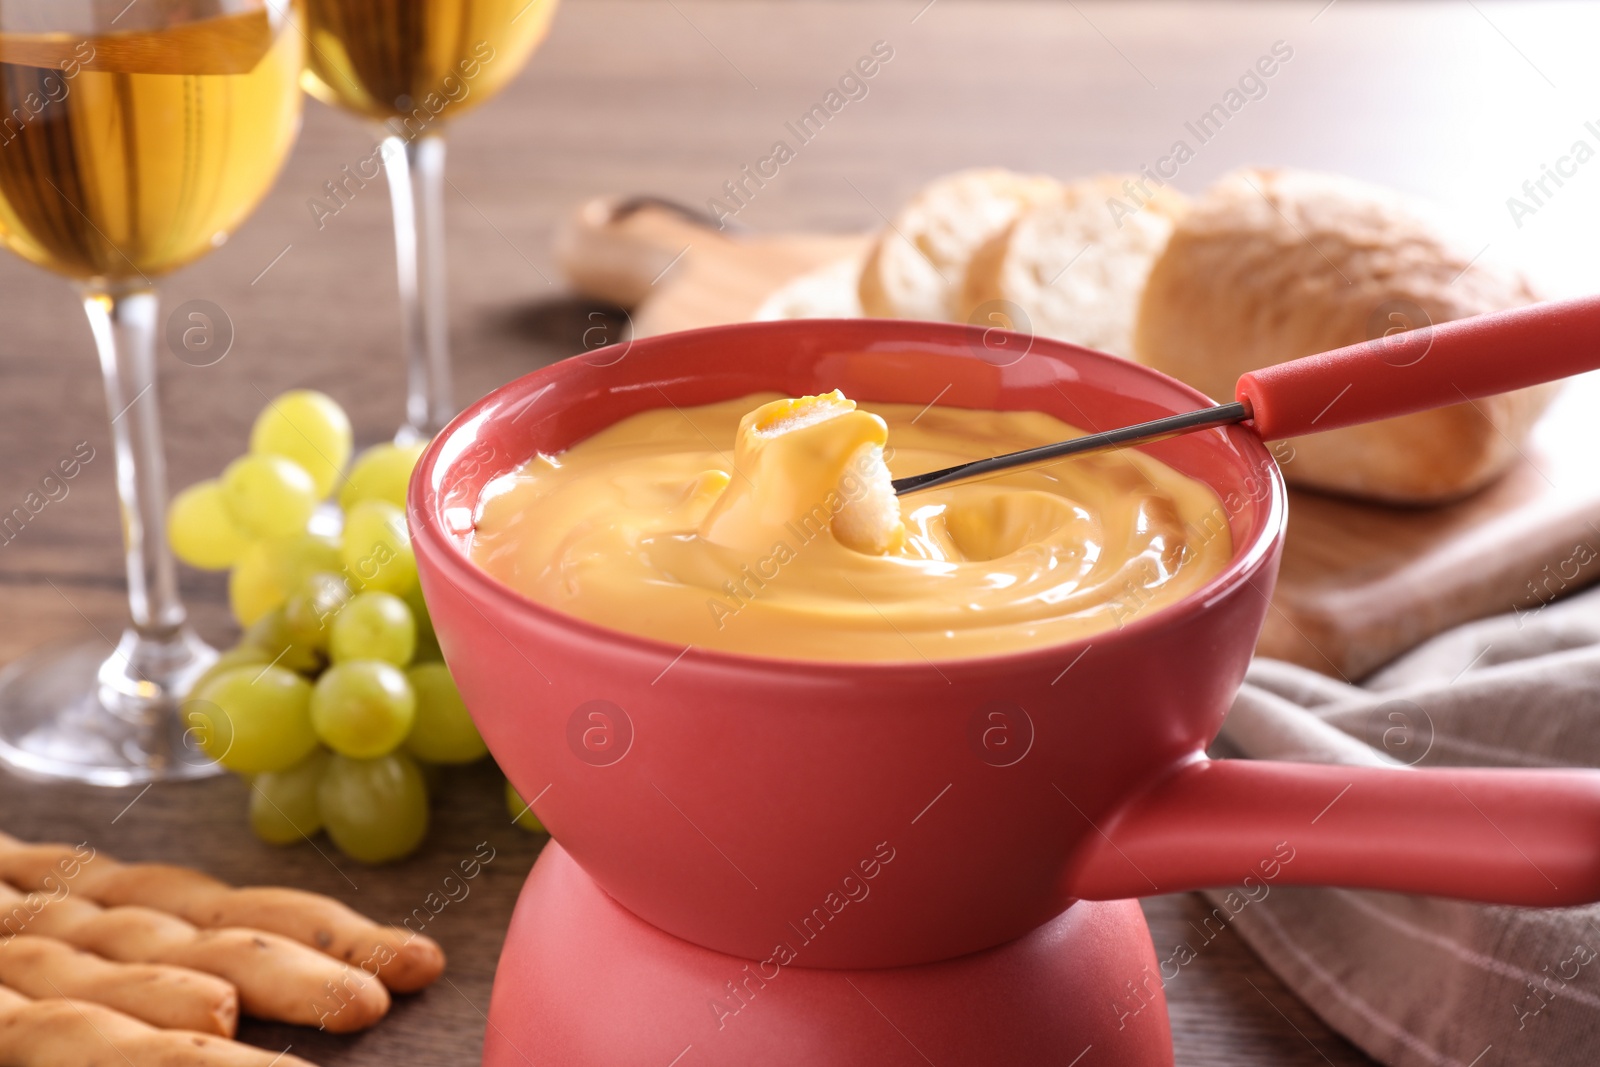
column 921, row 811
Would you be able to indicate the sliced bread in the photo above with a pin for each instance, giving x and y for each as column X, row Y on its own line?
column 916, row 268
column 1076, row 263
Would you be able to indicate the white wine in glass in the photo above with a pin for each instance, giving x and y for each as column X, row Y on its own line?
column 133, row 139
column 412, row 66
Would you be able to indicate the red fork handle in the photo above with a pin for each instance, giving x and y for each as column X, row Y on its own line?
column 1496, row 836
column 1425, row 368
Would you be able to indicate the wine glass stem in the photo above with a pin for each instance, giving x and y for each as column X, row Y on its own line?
column 124, row 324
column 415, row 167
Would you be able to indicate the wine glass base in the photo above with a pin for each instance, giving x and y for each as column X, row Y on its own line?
column 68, row 711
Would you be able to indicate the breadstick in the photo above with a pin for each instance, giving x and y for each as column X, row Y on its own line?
column 55, row 1033
column 403, row 961
column 277, row 978
column 172, row 998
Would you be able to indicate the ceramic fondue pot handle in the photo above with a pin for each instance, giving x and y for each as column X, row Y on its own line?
column 1431, row 367
column 1497, row 836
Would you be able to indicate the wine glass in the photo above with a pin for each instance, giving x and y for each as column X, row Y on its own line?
column 411, row 66
column 135, row 143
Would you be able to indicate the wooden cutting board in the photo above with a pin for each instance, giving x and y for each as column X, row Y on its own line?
column 1360, row 583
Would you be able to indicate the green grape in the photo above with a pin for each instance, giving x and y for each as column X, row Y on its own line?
column 363, row 709
column 382, row 472
column 283, row 804
column 253, row 719
column 271, row 570
column 309, row 428
column 311, row 610
column 374, row 626
column 443, row 731
column 427, row 641
column 281, row 645
column 240, row 656
column 521, row 814
column 269, row 496
column 201, row 530
column 375, row 810
column 377, row 548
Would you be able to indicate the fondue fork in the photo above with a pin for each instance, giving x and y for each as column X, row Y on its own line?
column 1393, row 375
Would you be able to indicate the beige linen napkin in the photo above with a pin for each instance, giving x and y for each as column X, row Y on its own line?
column 1417, row 980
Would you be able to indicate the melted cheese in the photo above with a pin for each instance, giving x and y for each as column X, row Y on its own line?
column 730, row 528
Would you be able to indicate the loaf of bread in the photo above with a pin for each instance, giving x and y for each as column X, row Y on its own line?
column 918, row 264
column 1270, row 265
column 1073, row 266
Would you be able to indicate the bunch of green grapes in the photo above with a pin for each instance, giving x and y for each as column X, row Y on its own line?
column 336, row 702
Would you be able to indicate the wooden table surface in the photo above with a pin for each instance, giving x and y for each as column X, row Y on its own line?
column 1459, row 102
